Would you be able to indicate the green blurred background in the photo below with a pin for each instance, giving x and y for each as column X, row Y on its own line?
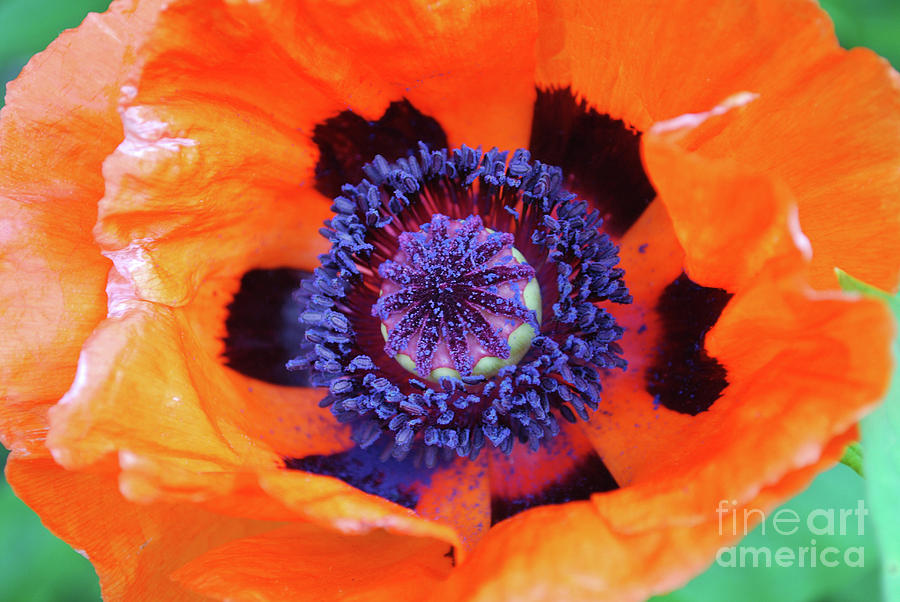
column 37, row 567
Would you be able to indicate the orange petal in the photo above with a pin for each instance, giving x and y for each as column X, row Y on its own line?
column 287, row 419
column 217, row 155
column 826, row 121
column 182, row 436
column 179, row 188
column 51, row 149
column 730, row 220
column 470, row 66
column 459, row 496
column 134, row 548
column 141, row 388
column 652, row 258
column 590, row 551
column 800, row 367
column 738, row 232
column 277, row 494
column 301, row 562
column 152, row 388
column 53, row 144
column 51, row 297
column 833, row 137
column 613, row 58
column 332, row 502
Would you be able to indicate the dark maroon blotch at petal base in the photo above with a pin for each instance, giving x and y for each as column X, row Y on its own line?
column 347, row 142
column 262, row 328
column 588, row 477
column 600, row 156
column 683, row 376
column 398, row 482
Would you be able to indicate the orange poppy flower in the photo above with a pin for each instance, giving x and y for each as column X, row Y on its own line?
column 165, row 168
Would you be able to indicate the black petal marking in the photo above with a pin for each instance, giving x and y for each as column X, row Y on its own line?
column 393, row 480
column 600, row 156
column 684, row 376
column 588, row 477
column 347, row 142
column 262, row 326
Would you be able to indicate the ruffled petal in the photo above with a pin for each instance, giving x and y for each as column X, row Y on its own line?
column 459, row 495
column 833, row 138
column 825, row 122
column 51, row 295
column 217, row 156
column 803, row 367
column 301, row 562
column 800, row 366
column 755, row 216
column 172, row 445
column 739, row 231
column 178, row 188
column 613, row 56
column 141, row 389
column 134, row 548
column 598, row 550
column 151, row 387
column 52, row 145
column 470, row 66
column 58, row 159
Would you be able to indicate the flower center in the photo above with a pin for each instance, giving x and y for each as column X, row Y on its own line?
column 459, row 298
column 480, row 275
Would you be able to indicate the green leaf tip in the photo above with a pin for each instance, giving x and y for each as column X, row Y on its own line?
column 880, row 433
column 853, row 457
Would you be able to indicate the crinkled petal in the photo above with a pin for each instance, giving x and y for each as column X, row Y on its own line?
column 52, row 296
column 267, row 73
column 612, row 56
column 178, row 190
column 301, row 562
column 137, row 390
column 134, row 547
column 833, row 138
column 57, row 126
column 459, row 495
column 585, row 551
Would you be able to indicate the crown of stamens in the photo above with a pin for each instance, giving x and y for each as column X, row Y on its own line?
column 421, row 248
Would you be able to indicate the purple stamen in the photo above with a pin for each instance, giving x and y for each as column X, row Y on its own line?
column 453, row 293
